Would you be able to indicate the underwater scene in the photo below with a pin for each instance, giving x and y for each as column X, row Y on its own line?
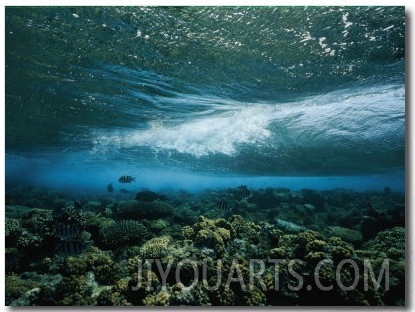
column 204, row 156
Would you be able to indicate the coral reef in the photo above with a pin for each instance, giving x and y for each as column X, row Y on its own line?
column 391, row 242
column 375, row 221
column 181, row 295
column 12, row 231
column 93, row 251
column 159, row 299
column 155, row 248
column 211, row 234
column 348, row 235
column 105, row 269
column 139, row 210
column 75, row 291
column 123, row 233
column 17, row 287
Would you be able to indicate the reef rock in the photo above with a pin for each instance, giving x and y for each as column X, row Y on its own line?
column 138, row 210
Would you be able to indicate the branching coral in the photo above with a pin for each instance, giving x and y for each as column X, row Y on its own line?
column 155, row 248
column 210, row 233
column 123, row 233
column 12, row 231
column 74, row 291
column 106, row 271
column 391, row 241
column 16, row 287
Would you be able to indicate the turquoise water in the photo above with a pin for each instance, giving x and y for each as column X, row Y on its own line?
column 196, row 97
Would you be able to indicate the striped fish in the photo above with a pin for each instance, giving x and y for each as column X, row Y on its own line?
column 58, row 212
column 67, row 231
column 70, row 247
column 126, row 179
column 77, row 205
column 223, row 206
column 245, row 192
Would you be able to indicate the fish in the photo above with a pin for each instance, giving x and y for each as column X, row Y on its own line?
column 77, row 205
column 71, row 247
column 245, row 192
column 58, row 212
column 110, row 188
column 67, row 231
column 223, row 206
column 126, row 179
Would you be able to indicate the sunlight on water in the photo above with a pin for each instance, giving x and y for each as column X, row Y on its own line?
column 343, row 119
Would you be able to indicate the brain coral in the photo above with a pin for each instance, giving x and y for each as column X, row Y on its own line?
column 123, row 233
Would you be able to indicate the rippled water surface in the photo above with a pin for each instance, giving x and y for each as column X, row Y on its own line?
column 204, row 96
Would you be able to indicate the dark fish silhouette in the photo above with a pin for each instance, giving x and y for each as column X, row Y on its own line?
column 110, row 188
column 223, row 206
column 149, row 196
column 67, row 231
column 72, row 247
column 245, row 192
column 77, row 205
column 126, row 179
column 58, row 212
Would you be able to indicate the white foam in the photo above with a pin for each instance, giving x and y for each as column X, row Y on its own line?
column 316, row 120
column 201, row 136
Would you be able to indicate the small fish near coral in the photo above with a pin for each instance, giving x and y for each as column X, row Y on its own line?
column 245, row 192
column 126, row 179
column 58, row 212
column 223, row 206
column 110, row 188
column 67, row 231
column 77, row 205
column 72, row 247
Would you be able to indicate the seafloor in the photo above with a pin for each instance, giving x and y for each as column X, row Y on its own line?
column 219, row 247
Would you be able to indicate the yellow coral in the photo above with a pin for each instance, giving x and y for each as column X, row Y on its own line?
column 210, row 239
column 213, row 224
column 308, row 236
column 187, row 232
column 159, row 299
column 155, row 248
column 314, row 257
column 254, row 297
column 278, row 253
column 316, row 245
column 224, row 233
column 340, row 249
column 325, row 273
column 122, row 284
column 237, row 221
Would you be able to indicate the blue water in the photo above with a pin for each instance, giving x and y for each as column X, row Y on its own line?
column 205, row 97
